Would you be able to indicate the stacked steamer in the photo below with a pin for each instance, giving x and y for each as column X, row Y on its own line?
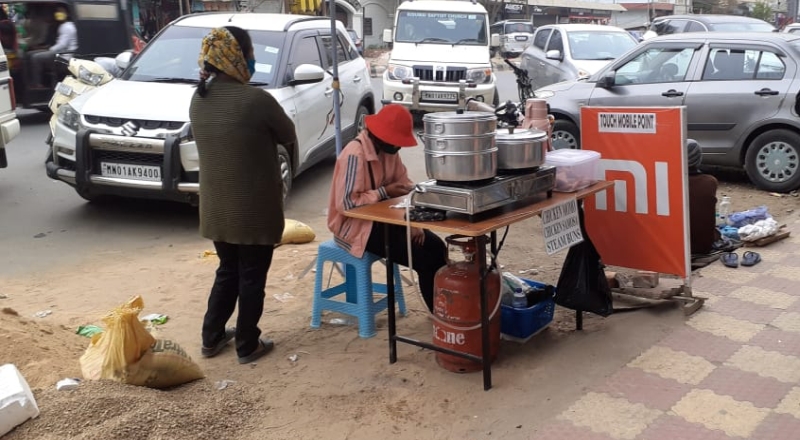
column 460, row 147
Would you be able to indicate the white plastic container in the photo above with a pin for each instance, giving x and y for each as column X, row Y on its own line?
column 17, row 404
column 575, row 169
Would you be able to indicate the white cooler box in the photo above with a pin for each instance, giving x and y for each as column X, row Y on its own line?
column 575, row 169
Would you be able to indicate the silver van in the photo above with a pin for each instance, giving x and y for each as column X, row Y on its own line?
column 515, row 36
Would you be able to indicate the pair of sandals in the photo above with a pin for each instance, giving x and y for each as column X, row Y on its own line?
column 264, row 346
column 731, row 259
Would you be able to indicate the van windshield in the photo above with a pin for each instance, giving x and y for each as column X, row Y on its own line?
column 441, row 28
column 524, row 28
column 172, row 56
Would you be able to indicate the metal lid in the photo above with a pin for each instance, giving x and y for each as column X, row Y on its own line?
column 459, row 117
column 520, row 135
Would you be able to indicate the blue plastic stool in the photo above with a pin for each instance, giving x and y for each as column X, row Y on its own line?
column 357, row 287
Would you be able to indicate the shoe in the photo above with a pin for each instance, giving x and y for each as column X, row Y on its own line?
column 751, row 258
column 209, row 352
column 264, row 346
column 730, row 259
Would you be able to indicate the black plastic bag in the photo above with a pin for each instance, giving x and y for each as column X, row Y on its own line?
column 583, row 285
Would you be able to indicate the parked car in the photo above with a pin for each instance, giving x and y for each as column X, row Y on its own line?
column 563, row 52
column 740, row 91
column 357, row 41
column 132, row 136
column 676, row 24
column 515, row 36
column 792, row 28
column 9, row 124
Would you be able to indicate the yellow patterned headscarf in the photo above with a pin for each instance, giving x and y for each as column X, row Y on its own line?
column 221, row 50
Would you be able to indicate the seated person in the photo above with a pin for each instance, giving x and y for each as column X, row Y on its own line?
column 66, row 43
column 8, row 33
column 36, row 27
column 702, row 203
column 369, row 170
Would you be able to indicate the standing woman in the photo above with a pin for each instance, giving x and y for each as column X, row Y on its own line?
column 237, row 128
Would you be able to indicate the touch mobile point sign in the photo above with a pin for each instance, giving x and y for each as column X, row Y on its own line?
column 643, row 221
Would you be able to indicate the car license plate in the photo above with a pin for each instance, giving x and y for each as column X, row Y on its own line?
column 439, row 96
column 130, row 171
column 521, row 38
column 63, row 89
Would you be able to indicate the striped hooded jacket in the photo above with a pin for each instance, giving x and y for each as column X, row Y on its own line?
column 353, row 186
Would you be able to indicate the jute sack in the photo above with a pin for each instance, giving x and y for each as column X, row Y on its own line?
column 165, row 365
column 295, row 232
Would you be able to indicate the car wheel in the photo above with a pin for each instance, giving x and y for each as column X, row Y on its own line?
column 285, row 164
column 362, row 112
column 492, row 53
column 773, row 161
column 565, row 135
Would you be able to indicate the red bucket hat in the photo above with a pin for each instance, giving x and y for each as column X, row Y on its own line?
column 393, row 125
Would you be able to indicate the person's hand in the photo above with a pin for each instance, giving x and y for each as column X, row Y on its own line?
column 418, row 236
column 397, row 189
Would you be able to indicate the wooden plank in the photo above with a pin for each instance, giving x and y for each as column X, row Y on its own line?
column 780, row 235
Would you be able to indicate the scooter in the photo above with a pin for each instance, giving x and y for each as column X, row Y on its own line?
column 86, row 75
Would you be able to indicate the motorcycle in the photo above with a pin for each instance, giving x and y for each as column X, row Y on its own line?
column 86, row 75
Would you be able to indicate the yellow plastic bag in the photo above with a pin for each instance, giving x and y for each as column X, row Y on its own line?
column 122, row 343
column 295, row 232
column 126, row 352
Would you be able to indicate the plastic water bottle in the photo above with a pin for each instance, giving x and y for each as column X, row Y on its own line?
column 520, row 301
column 723, row 211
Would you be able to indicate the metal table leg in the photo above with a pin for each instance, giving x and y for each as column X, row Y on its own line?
column 390, row 295
column 486, row 344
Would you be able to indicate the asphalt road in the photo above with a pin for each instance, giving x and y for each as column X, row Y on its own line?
column 45, row 224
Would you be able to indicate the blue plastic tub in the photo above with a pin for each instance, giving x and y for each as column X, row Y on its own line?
column 524, row 323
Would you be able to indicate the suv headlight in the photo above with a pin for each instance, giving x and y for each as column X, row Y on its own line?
column 544, row 94
column 399, row 73
column 479, row 76
column 88, row 77
column 69, row 117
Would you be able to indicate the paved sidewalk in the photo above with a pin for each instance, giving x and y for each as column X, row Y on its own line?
column 733, row 370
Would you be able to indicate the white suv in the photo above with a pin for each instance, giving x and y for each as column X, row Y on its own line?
column 9, row 124
column 132, row 136
column 440, row 56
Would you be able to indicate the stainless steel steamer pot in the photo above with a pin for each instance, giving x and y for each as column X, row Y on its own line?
column 461, row 166
column 525, row 148
column 460, row 147
column 459, row 124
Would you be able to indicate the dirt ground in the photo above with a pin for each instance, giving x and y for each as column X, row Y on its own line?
column 340, row 386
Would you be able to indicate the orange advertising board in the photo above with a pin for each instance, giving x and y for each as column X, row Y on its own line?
column 643, row 221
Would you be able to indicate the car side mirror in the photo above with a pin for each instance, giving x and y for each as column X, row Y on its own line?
column 123, row 60
column 387, row 35
column 307, row 74
column 495, row 40
column 608, row 80
column 554, row 55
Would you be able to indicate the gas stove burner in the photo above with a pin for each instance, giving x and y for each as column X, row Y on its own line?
column 477, row 197
column 518, row 171
column 467, row 184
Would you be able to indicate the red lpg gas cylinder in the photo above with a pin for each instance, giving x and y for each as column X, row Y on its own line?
column 457, row 305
